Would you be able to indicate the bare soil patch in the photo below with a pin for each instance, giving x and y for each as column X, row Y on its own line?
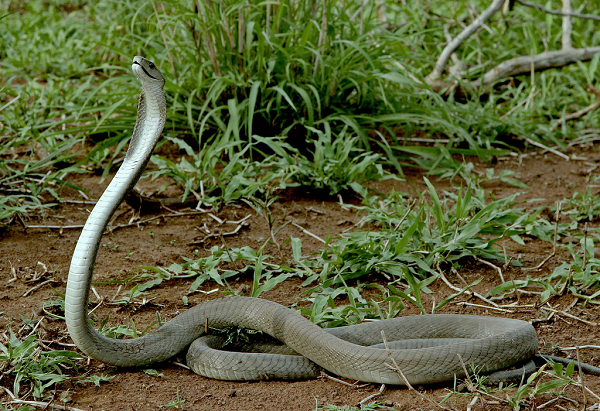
column 31, row 256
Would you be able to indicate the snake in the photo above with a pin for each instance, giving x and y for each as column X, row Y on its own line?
column 419, row 349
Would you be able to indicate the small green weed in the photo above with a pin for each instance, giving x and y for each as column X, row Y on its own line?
column 34, row 370
column 177, row 402
column 579, row 277
column 583, row 207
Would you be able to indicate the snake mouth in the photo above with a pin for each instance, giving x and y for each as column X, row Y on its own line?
column 143, row 68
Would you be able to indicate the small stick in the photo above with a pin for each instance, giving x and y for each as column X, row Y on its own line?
column 324, row 374
column 472, row 403
column 460, row 277
column 305, row 231
column 558, row 13
column 43, row 283
column 44, row 405
column 571, row 316
column 577, row 348
column 553, row 151
column 65, row 227
column 468, row 292
column 585, row 233
column 97, row 305
column 577, row 114
column 493, row 266
column 581, row 379
column 117, row 293
column 468, row 381
column 239, row 222
column 485, row 306
column 181, row 365
column 552, row 401
column 88, row 202
column 364, row 400
column 10, row 102
column 214, row 217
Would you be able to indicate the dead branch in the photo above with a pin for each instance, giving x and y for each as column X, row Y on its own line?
column 518, row 65
column 458, row 40
column 558, row 13
column 583, row 111
column 539, row 62
column 567, row 27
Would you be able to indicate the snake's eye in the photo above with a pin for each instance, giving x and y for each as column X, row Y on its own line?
column 151, row 65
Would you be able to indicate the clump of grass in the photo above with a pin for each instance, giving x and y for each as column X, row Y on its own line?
column 579, row 277
column 416, row 238
column 582, row 207
column 32, row 369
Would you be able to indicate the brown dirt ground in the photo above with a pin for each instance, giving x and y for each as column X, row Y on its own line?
column 25, row 252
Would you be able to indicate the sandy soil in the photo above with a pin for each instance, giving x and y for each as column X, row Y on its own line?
column 37, row 255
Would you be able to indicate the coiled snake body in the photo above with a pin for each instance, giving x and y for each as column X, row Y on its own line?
column 431, row 348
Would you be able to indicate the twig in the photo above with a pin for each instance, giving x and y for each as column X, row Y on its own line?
column 370, row 397
column 581, row 380
column 215, row 235
column 468, row 381
column 10, row 102
column 468, row 292
column 485, row 306
column 43, row 283
column 546, row 148
column 571, row 316
column 56, row 227
column 39, row 404
column 556, row 12
column 577, row 114
column 547, row 403
column 525, row 101
column 305, row 231
column 324, row 374
column 472, row 403
column 239, row 222
column 214, row 217
column 583, row 111
column 493, row 266
column 458, row 67
column 64, row 227
column 181, row 365
column 580, row 347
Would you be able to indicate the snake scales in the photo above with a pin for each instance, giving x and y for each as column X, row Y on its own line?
column 433, row 346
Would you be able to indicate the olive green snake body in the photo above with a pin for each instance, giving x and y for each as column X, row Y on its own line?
column 488, row 343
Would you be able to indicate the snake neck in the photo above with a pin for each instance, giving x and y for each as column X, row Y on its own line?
column 149, row 124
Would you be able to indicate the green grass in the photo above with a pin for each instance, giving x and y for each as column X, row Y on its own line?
column 299, row 84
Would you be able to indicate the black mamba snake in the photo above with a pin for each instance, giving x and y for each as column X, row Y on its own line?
column 488, row 343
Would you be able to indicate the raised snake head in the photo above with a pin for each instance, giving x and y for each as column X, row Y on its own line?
column 147, row 72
